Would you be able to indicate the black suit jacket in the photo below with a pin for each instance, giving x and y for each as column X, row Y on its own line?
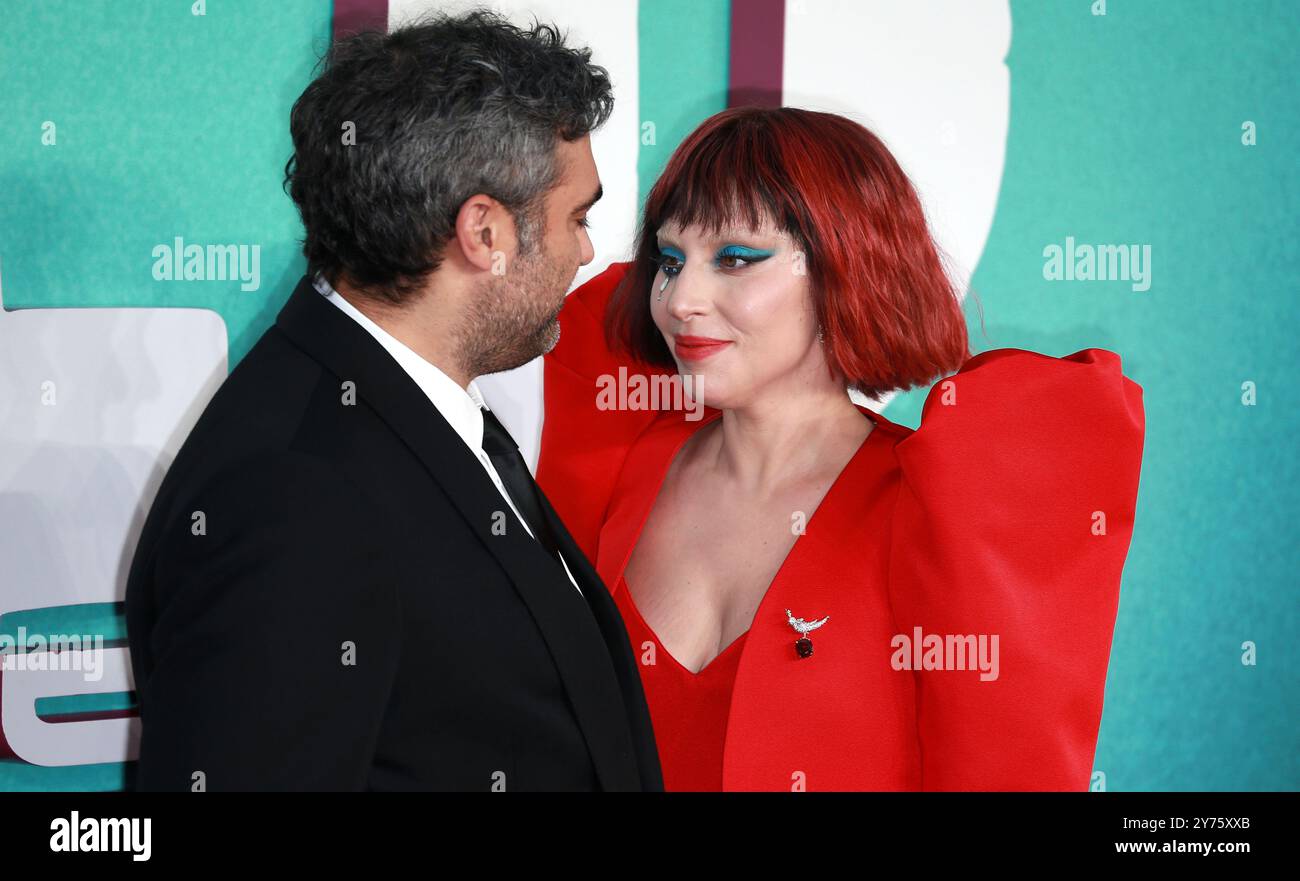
column 319, row 600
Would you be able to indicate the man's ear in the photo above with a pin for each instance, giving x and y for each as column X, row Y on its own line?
column 485, row 231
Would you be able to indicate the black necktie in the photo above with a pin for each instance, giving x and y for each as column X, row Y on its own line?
column 513, row 470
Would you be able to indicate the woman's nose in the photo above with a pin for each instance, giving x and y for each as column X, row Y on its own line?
column 685, row 295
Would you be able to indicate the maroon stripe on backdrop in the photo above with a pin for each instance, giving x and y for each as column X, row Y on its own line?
column 351, row 16
column 757, row 52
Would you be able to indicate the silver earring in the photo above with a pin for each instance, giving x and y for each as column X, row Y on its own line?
column 821, row 337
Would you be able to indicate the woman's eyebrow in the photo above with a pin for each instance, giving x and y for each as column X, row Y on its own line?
column 738, row 233
column 665, row 241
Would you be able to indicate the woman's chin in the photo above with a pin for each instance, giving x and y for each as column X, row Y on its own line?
column 706, row 389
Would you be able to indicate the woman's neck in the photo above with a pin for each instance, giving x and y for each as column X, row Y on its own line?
column 764, row 444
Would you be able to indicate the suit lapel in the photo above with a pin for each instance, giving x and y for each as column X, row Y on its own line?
column 566, row 623
column 610, row 621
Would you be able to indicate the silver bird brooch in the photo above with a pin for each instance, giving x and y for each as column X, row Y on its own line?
column 803, row 645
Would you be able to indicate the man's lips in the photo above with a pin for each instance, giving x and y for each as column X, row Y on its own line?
column 697, row 348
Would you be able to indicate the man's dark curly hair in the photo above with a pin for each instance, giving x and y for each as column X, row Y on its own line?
column 439, row 110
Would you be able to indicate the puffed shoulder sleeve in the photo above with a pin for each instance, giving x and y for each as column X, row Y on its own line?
column 586, row 430
column 1014, row 518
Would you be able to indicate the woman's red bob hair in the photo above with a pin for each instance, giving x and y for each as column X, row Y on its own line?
column 890, row 314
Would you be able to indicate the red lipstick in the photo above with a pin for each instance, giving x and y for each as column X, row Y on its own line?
column 697, row 348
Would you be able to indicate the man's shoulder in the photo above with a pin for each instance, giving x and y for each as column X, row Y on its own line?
column 252, row 422
column 261, row 403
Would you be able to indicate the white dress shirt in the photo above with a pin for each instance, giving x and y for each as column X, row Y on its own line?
column 459, row 406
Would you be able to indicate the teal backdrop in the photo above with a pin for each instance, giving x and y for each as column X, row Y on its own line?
column 1126, row 128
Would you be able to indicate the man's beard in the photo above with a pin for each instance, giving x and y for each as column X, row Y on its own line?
column 513, row 317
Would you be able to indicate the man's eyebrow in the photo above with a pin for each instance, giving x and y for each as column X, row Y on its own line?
column 600, row 191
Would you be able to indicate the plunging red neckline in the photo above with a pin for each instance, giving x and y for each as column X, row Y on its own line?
column 739, row 641
column 649, row 631
column 690, row 712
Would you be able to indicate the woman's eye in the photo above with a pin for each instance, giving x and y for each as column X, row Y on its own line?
column 736, row 257
column 671, row 264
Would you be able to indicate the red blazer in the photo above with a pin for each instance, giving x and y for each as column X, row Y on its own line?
column 1008, row 513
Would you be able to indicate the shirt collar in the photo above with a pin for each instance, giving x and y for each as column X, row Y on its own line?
column 459, row 406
